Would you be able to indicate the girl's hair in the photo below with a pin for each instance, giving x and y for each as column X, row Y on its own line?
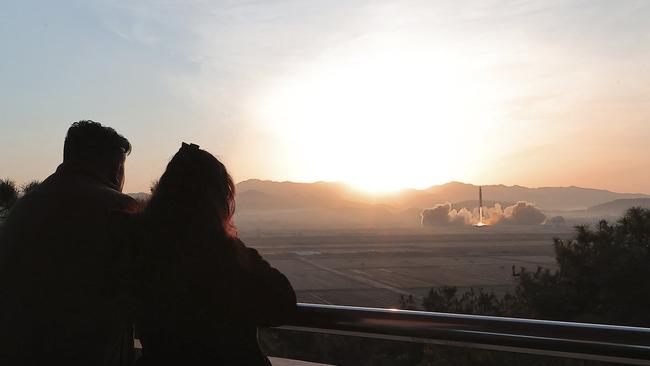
column 196, row 193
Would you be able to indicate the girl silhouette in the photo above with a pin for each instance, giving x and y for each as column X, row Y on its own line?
column 203, row 292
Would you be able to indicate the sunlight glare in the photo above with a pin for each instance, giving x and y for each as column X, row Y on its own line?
column 381, row 120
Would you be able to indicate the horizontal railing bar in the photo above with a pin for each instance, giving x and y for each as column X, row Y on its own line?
column 611, row 343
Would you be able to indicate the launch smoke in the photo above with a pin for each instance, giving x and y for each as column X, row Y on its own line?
column 521, row 213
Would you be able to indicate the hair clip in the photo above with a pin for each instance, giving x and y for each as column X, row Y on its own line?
column 190, row 146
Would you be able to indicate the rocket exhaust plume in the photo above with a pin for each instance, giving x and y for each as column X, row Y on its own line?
column 480, row 207
column 520, row 213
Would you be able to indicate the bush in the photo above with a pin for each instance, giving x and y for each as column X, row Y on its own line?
column 603, row 276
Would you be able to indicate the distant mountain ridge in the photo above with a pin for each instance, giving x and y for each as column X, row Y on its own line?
column 269, row 205
column 260, row 194
column 618, row 207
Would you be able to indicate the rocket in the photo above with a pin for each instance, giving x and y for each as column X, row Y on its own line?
column 480, row 208
column 480, row 204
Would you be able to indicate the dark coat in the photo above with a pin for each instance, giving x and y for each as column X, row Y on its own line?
column 60, row 298
column 203, row 300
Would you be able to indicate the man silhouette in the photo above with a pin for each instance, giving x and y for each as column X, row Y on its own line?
column 61, row 300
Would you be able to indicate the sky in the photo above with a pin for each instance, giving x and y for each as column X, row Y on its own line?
column 379, row 94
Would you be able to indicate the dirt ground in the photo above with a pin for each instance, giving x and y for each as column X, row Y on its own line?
column 375, row 268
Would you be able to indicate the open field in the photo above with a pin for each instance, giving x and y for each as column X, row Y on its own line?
column 373, row 269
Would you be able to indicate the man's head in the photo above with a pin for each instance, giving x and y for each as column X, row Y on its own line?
column 97, row 147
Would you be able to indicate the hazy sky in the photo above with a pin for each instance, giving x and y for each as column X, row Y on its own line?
column 381, row 94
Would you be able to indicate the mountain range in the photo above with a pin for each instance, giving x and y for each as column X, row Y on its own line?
column 270, row 205
column 262, row 194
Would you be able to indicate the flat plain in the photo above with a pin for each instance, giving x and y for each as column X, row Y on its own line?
column 373, row 268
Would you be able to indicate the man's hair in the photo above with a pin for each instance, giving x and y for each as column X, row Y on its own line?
column 90, row 141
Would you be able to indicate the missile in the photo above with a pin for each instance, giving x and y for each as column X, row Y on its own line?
column 480, row 204
column 480, row 208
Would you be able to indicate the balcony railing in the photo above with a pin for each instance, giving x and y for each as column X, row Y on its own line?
column 609, row 343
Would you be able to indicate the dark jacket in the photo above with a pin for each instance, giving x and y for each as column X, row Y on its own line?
column 203, row 300
column 60, row 302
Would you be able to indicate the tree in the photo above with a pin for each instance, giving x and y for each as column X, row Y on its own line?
column 29, row 186
column 8, row 196
column 407, row 302
column 603, row 275
column 473, row 301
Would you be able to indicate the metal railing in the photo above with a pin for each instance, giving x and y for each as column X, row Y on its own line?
column 610, row 343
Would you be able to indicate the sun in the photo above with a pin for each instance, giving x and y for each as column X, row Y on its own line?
column 381, row 120
column 375, row 184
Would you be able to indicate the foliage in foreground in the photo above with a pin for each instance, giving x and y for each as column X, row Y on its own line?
column 10, row 192
column 603, row 276
column 8, row 196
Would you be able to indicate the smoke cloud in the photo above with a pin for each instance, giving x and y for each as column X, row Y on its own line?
column 521, row 213
column 442, row 215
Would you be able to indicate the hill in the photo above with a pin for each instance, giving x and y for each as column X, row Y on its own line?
column 618, row 207
column 279, row 195
column 263, row 204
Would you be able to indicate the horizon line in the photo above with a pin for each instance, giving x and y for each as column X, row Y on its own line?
column 428, row 187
